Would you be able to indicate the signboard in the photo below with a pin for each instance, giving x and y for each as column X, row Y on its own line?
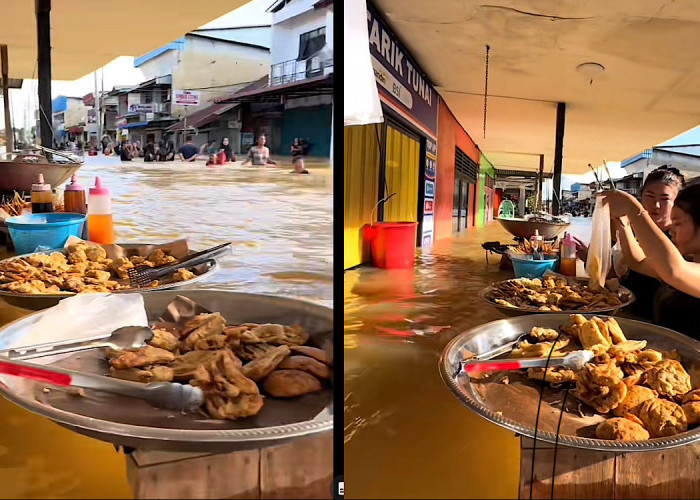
column 429, row 190
column 186, row 97
column 399, row 78
column 121, row 122
column 247, row 140
column 92, row 116
column 141, row 108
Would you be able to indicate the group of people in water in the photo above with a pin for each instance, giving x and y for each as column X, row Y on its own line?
column 213, row 153
column 660, row 240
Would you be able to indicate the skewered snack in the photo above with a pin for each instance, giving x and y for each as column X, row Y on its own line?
column 526, row 248
column 643, row 393
column 83, row 269
column 208, row 353
column 552, row 294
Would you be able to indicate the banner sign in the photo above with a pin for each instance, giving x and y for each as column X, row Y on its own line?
column 429, row 191
column 140, row 108
column 186, row 97
column 399, row 76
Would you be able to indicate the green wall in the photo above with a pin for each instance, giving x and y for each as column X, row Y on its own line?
column 485, row 169
column 312, row 123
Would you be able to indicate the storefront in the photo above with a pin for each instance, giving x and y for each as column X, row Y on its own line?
column 395, row 159
column 487, row 179
column 458, row 173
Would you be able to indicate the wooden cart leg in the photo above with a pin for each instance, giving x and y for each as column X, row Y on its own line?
column 300, row 469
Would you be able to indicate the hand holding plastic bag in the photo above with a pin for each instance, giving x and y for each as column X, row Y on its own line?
column 598, row 263
column 618, row 259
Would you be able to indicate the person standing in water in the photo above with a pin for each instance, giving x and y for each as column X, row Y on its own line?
column 225, row 148
column 298, row 158
column 259, row 155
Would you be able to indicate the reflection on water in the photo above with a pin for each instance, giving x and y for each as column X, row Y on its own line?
column 281, row 227
column 406, row 435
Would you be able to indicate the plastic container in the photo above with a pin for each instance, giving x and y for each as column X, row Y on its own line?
column 528, row 268
column 567, row 266
column 393, row 244
column 100, row 222
column 50, row 230
column 536, row 242
column 74, row 197
column 42, row 198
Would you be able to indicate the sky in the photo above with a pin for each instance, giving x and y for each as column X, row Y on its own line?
column 120, row 71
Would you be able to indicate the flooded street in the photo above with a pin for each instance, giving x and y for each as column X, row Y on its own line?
column 406, row 435
column 281, row 228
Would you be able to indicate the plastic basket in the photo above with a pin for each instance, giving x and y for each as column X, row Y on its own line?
column 50, row 230
column 528, row 268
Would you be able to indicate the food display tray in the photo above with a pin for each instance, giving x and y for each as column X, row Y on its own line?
column 132, row 422
column 625, row 294
column 36, row 302
column 514, row 405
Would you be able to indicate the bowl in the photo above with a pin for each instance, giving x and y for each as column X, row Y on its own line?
column 50, row 230
column 528, row 268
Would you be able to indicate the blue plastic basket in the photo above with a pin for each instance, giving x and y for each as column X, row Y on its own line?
column 50, row 230
column 528, row 268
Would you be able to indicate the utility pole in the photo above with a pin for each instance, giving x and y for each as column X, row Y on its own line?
column 43, row 30
column 6, row 99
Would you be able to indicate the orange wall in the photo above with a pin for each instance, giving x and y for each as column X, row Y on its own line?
column 451, row 135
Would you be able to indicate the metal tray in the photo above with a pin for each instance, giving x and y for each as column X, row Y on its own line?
column 37, row 302
column 132, row 422
column 625, row 294
column 514, row 405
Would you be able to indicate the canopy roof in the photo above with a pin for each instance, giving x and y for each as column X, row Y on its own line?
column 87, row 34
column 647, row 93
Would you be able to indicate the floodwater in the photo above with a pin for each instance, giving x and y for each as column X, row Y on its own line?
column 406, row 435
column 281, row 228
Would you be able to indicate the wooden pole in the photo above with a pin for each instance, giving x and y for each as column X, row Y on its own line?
column 43, row 27
column 9, row 146
column 558, row 155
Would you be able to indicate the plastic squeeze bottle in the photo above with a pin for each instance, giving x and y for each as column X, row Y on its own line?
column 568, row 256
column 536, row 241
column 100, row 223
column 42, row 198
column 74, row 197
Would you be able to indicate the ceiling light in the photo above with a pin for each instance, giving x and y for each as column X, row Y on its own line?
column 591, row 70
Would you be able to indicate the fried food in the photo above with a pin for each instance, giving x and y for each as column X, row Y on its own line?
column 249, row 352
column 95, row 253
column 156, row 373
column 280, row 335
column 183, row 275
column 636, row 396
column 160, row 258
column 201, row 327
column 290, row 383
column 228, row 394
column 691, row 396
column 313, row 352
column 543, row 334
column 555, row 375
column 590, row 335
column 621, row 429
column 263, row 365
column 692, row 413
column 663, row 418
column 163, row 339
column 186, row 364
column 668, row 378
column 143, row 356
column 601, row 386
column 121, row 267
column 306, row 364
column 615, row 331
column 541, row 349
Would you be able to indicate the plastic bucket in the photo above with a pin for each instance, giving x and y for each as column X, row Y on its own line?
column 50, row 230
column 528, row 268
column 393, row 244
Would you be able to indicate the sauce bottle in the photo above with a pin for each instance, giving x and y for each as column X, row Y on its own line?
column 100, row 223
column 536, row 241
column 568, row 256
column 42, row 198
column 74, row 197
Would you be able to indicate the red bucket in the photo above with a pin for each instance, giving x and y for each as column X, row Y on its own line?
column 393, row 244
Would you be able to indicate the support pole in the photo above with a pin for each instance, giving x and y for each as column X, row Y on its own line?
column 9, row 146
column 43, row 28
column 540, row 178
column 558, row 156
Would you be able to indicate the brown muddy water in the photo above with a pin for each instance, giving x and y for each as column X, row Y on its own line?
column 406, row 435
column 281, row 227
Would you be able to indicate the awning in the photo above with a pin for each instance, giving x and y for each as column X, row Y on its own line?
column 311, row 86
column 133, row 125
column 203, row 116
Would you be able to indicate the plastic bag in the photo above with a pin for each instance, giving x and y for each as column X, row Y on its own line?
column 598, row 262
column 618, row 259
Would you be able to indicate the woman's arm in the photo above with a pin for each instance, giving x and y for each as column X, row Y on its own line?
column 663, row 257
column 633, row 253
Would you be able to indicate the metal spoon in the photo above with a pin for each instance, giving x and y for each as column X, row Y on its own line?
column 127, row 337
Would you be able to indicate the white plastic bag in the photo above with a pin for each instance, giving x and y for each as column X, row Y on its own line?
column 618, row 259
column 598, row 262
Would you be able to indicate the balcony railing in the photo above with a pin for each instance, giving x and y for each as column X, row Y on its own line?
column 298, row 70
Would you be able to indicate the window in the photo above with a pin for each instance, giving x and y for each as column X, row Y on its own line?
column 148, row 98
column 311, row 43
column 466, row 165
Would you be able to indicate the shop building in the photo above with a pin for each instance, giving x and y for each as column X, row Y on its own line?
column 69, row 116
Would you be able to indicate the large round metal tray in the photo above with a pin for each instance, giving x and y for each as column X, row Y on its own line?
column 518, row 413
column 36, row 302
column 132, row 422
column 625, row 294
